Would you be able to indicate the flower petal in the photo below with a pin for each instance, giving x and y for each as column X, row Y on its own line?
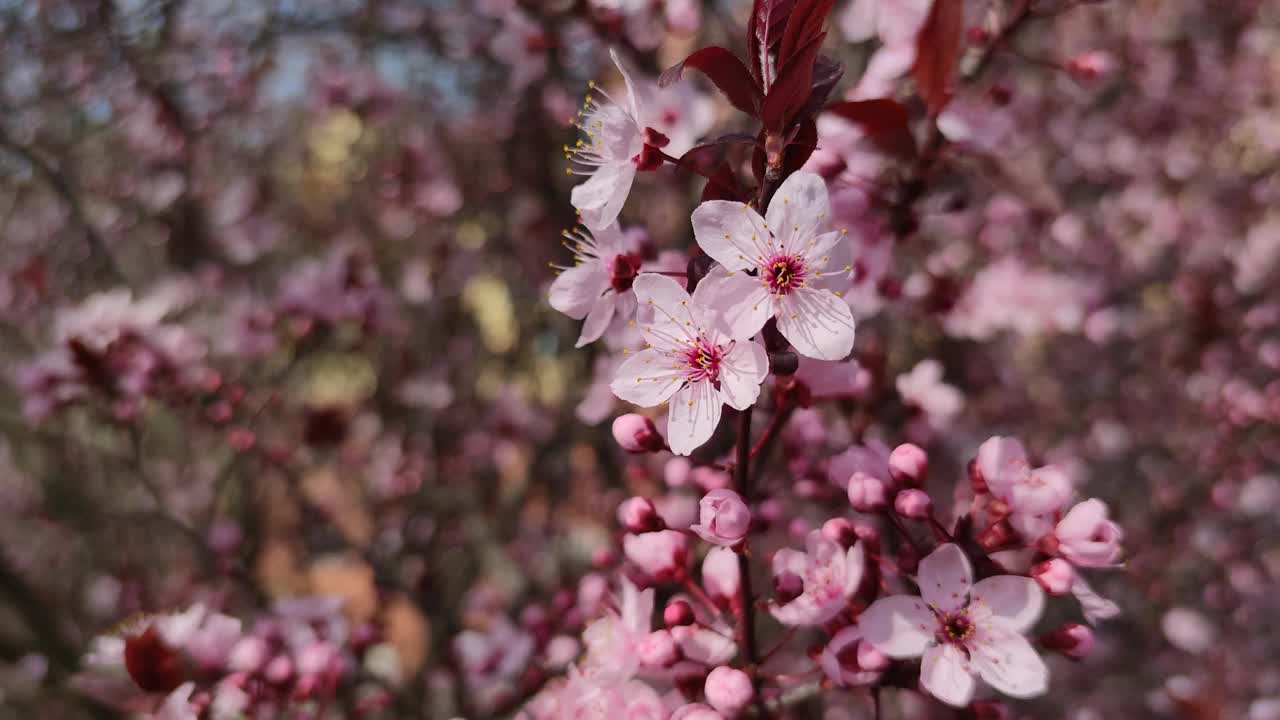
column 576, row 290
column 945, row 578
column 605, row 192
column 1014, row 601
column 742, row 301
column 900, row 626
column 598, row 319
column 732, row 233
column 741, row 372
column 1007, row 662
column 798, row 208
column 945, row 674
column 646, row 379
column 665, row 311
column 695, row 413
column 817, row 323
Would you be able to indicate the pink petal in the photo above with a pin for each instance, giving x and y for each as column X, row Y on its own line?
column 1015, row 601
column 1080, row 522
column 744, row 303
column 666, row 310
column 646, row 379
column 945, row 674
column 797, row 209
column 576, row 290
column 1008, row 663
column 732, row 233
column 945, row 578
column 741, row 372
column 605, row 192
column 817, row 323
column 598, row 319
column 695, row 413
column 900, row 626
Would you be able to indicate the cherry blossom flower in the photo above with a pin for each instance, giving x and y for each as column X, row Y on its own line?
column 615, row 137
column 691, row 361
column 896, row 23
column 830, row 575
column 611, row 641
column 848, row 661
column 790, row 253
column 1031, row 494
column 597, row 286
column 1086, row 537
column 923, row 387
column 962, row 629
column 724, row 518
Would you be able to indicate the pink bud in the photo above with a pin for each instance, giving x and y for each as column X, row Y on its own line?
column 279, row 670
column 1054, row 575
column 638, row 515
column 914, row 504
column 661, row 555
column 657, row 649
column 841, row 531
column 721, row 575
column 248, row 654
column 867, row 494
column 1073, row 640
column 729, row 690
column 696, row 711
column 676, row 472
column 1087, row 538
column 908, row 463
column 723, row 518
column 1090, row 65
column 677, row 613
column 636, row 434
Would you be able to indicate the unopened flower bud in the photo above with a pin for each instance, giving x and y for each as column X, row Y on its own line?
column 661, row 556
column 729, row 690
column 908, row 463
column 869, row 658
column 1073, row 640
column 723, row 518
column 913, row 503
column 279, row 670
column 677, row 613
column 638, row 515
column 657, row 649
column 1054, row 575
column 867, row 494
column 636, row 433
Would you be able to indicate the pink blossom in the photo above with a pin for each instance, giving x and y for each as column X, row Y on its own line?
column 1072, row 640
column 1086, row 537
column 696, row 711
column 614, row 135
column 962, row 629
column 660, row 555
column 612, row 641
column 842, row 662
column 913, row 504
column 637, row 434
column 896, row 23
column 729, row 690
column 724, row 518
column 1055, row 575
column 830, row 575
column 923, row 388
column 721, row 576
column 908, row 463
column 597, row 286
column 1003, row 465
column 638, row 515
column 690, row 361
column 790, row 250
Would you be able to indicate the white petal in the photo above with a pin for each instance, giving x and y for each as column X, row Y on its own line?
column 945, row 674
column 855, row 564
column 695, row 413
column 731, row 233
column 817, row 323
column 798, row 208
column 605, row 192
column 576, row 290
column 741, row 372
column 1008, row 662
column 666, row 310
column 646, row 379
column 638, row 95
column 900, row 626
column 742, row 301
column 598, row 319
column 1094, row 606
column 945, row 578
column 1015, row 601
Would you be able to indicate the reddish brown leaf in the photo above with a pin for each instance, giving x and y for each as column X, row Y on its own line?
column 795, row 83
column 804, row 24
column 764, row 33
column 938, row 53
column 726, row 71
column 152, row 664
column 885, row 122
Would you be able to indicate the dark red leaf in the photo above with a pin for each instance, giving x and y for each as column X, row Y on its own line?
column 723, row 185
column 885, row 122
column 764, row 33
column 938, row 53
column 826, row 73
column 726, row 71
column 804, row 24
column 795, row 82
column 152, row 664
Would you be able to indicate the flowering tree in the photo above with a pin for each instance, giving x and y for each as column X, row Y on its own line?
column 296, row 422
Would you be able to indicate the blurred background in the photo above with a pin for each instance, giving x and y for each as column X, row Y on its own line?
column 273, row 323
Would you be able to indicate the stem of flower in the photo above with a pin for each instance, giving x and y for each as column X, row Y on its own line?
column 745, row 607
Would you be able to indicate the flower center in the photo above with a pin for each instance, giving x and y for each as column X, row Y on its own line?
column 623, row 270
column 783, row 273
column 702, row 361
column 956, row 627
